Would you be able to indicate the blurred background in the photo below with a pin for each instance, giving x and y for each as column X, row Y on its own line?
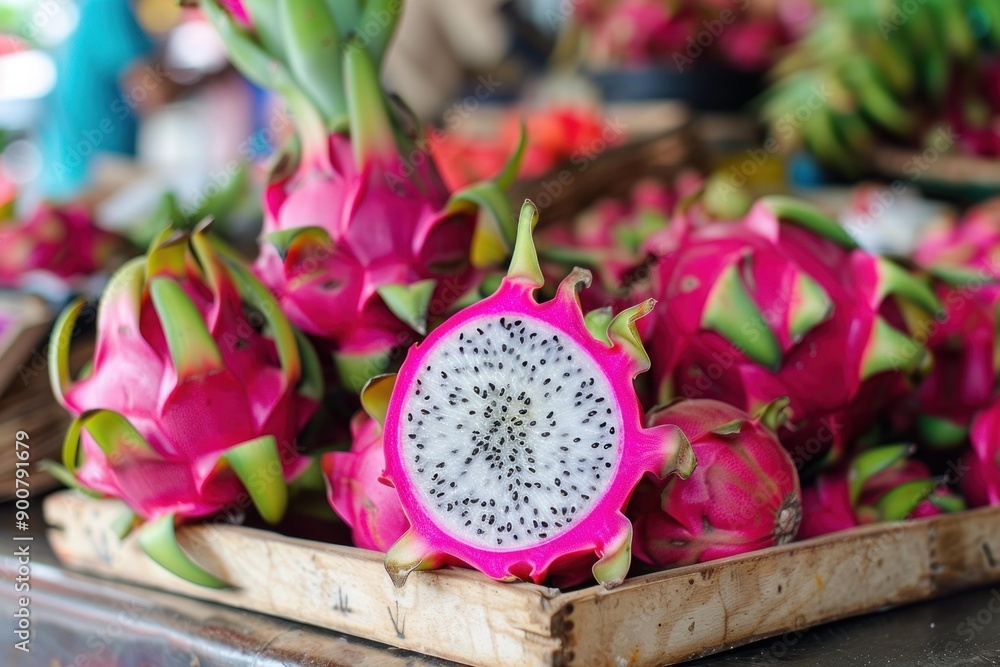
column 111, row 103
column 118, row 117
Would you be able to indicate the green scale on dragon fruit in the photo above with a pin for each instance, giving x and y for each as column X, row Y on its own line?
column 963, row 260
column 784, row 303
column 197, row 391
column 363, row 244
column 879, row 484
column 514, row 438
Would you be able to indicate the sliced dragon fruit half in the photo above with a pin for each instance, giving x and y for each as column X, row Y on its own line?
column 514, row 437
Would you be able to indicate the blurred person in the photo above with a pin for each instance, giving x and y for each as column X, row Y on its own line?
column 102, row 80
column 437, row 42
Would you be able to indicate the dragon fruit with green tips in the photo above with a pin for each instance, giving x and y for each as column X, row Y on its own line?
column 743, row 496
column 370, row 508
column 363, row 243
column 783, row 303
column 609, row 238
column 514, row 438
column 963, row 258
column 879, row 484
column 198, row 389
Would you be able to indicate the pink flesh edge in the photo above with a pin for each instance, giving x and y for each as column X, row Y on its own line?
column 605, row 521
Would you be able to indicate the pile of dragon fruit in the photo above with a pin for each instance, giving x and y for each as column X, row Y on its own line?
column 539, row 404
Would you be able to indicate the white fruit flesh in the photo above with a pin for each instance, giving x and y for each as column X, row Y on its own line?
column 510, row 432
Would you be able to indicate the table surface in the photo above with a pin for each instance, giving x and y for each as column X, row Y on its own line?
column 82, row 621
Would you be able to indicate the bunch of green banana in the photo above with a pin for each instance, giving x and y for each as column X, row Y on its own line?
column 870, row 68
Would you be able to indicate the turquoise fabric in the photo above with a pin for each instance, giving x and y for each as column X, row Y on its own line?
column 88, row 112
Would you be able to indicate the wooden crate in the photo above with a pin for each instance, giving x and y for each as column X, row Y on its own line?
column 26, row 402
column 461, row 615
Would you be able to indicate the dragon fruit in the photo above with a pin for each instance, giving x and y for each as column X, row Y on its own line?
column 370, row 508
column 60, row 241
column 362, row 241
column 964, row 259
column 609, row 239
column 783, row 303
column 631, row 32
column 638, row 31
column 194, row 400
column 514, row 437
column 981, row 481
column 879, row 484
column 743, row 496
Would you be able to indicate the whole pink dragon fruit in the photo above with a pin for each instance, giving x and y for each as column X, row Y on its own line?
column 60, row 241
column 879, row 484
column 783, row 303
column 609, row 239
column 743, row 496
column 964, row 259
column 363, row 243
column 514, row 437
column 188, row 407
column 370, row 508
column 981, row 481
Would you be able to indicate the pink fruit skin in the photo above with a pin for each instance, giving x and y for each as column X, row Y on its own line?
column 743, row 496
column 237, row 11
column 641, row 31
column 610, row 237
column 962, row 379
column 387, row 226
column 60, row 240
column 368, row 506
column 562, row 553
column 981, row 482
column 188, row 425
column 820, row 373
column 827, row 508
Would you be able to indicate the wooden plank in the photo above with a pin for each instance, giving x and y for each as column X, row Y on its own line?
column 699, row 610
column 654, row 619
column 341, row 588
column 24, row 319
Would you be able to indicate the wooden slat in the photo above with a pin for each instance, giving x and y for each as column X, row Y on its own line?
column 650, row 620
column 699, row 610
column 451, row 614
